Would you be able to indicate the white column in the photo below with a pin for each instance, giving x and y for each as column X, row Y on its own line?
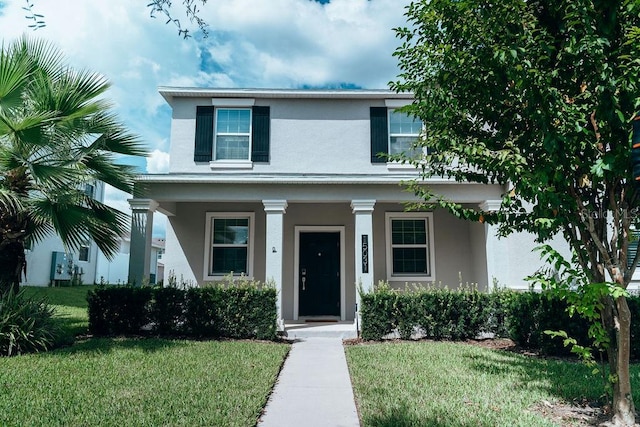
column 363, row 211
column 275, row 210
column 496, row 249
column 141, row 234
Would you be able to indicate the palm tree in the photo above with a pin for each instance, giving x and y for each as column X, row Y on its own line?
column 56, row 134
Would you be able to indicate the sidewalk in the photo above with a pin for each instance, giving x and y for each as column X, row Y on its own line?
column 313, row 389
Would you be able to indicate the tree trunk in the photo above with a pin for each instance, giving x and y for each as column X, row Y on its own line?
column 12, row 264
column 617, row 320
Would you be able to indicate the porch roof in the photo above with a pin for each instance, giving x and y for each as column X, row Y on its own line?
column 285, row 178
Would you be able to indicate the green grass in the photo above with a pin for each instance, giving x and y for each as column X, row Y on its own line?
column 135, row 382
column 147, row 382
column 458, row 385
column 70, row 304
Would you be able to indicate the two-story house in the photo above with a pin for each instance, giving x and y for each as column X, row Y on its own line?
column 290, row 186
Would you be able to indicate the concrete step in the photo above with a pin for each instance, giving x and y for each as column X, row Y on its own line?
column 302, row 329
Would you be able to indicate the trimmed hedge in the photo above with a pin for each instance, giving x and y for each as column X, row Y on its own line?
column 433, row 313
column 464, row 314
column 212, row 312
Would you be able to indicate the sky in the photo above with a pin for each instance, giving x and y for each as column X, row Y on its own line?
column 251, row 44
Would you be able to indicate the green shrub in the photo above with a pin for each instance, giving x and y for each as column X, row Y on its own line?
column 231, row 312
column 26, row 324
column 378, row 313
column 234, row 309
column 118, row 310
column 167, row 311
column 462, row 314
column 435, row 313
column 530, row 314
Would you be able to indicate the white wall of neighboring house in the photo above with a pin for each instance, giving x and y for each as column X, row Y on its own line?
column 116, row 271
column 96, row 269
column 40, row 256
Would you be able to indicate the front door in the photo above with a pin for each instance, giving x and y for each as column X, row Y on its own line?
column 319, row 274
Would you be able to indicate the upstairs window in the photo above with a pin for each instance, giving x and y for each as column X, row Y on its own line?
column 233, row 134
column 404, row 131
column 393, row 132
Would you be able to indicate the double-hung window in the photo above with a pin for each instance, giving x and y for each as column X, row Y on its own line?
column 393, row 132
column 404, row 131
column 233, row 134
column 229, row 244
column 410, row 246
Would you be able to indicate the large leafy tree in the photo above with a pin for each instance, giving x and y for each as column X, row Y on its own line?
column 57, row 134
column 538, row 95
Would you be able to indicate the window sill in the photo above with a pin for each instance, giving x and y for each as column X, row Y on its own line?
column 222, row 278
column 411, row 279
column 231, row 164
column 397, row 166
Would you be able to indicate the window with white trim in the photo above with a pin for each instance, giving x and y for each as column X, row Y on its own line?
column 404, row 130
column 410, row 246
column 229, row 244
column 83, row 252
column 232, row 134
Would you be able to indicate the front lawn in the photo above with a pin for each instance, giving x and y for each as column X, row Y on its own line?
column 70, row 304
column 456, row 385
column 150, row 382
column 135, row 382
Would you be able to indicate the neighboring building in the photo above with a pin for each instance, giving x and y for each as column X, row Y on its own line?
column 116, row 271
column 288, row 185
column 48, row 263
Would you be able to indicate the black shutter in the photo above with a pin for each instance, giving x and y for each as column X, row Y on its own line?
column 379, row 134
column 203, row 149
column 260, row 134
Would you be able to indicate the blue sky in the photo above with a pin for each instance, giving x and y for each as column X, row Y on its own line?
column 251, row 43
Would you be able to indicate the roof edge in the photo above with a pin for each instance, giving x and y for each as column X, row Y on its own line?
column 170, row 92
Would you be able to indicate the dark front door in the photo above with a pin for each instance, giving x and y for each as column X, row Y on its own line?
column 319, row 274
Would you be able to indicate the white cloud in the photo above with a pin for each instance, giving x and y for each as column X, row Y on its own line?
column 117, row 199
column 158, row 162
column 275, row 43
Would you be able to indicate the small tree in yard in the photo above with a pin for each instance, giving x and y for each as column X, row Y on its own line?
column 538, row 96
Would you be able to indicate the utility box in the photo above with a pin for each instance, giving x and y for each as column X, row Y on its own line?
column 62, row 267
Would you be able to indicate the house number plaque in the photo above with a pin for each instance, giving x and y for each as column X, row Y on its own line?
column 365, row 253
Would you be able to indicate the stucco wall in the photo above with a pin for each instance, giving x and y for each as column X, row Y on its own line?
column 307, row 136
column 185, row 239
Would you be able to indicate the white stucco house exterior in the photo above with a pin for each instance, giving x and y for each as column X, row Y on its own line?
column 289, row 186
column 116, row 270
column 49, row 263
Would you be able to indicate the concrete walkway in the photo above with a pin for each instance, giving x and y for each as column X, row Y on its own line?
column 313, row 389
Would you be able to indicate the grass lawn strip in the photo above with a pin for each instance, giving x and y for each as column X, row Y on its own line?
column 70, row 304
column 135, row 382
column 441, row 383
column 140, row 382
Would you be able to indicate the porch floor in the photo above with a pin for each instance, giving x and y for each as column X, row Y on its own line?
column 302, row 329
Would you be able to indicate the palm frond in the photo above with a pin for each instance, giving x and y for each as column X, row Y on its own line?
column 9, row 201
column 14, row 77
